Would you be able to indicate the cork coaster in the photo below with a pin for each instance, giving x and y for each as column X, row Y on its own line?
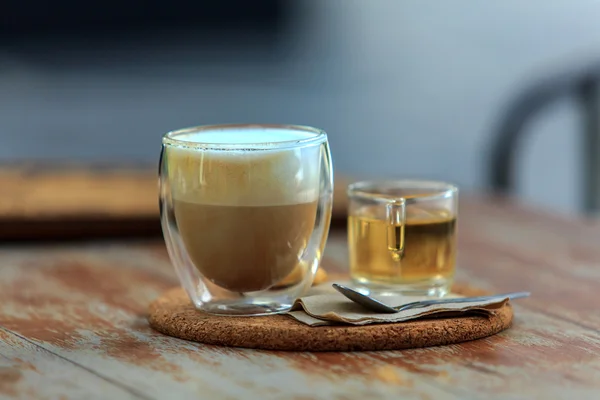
column 174, row 315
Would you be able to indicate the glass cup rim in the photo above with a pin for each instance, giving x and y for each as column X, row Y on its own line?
column 371, row 190
column 317, row 136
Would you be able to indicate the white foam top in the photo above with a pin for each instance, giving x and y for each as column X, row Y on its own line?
column 244, row 136
column 250, row 178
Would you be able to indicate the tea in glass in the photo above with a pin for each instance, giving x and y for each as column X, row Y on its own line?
column 402, row 236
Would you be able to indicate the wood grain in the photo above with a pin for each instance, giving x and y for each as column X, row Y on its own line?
column 29, row 371
column 67, row 202
column 78, row 310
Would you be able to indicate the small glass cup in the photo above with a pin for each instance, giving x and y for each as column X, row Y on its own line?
column 402, row 236
column 245, row 212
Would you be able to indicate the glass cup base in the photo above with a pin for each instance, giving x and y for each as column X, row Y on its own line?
column 438, row 287
column 249, row 309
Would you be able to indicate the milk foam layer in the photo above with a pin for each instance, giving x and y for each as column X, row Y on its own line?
column 245, row 136
column 244, row 178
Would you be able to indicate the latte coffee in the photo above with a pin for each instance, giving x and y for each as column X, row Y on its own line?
column 245, row 217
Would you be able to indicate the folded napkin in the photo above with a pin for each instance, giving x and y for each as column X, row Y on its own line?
column 323, row 305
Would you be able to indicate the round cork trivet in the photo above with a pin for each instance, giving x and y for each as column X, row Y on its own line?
column 173, row 314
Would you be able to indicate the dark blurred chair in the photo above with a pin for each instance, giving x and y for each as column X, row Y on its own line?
column 581, row 83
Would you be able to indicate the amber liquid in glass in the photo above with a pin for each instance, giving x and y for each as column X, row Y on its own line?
column 429, row 248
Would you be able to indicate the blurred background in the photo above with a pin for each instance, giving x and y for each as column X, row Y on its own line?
column 404, row 88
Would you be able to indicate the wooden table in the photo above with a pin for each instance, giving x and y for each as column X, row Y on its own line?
column 72, row 325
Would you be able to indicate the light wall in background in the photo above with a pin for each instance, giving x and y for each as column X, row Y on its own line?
column 404, row 88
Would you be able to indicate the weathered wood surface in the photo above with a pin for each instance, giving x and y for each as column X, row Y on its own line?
column 72, row 325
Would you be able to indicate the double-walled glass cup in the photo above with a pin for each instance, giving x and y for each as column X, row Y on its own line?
column 245, row 212
column 402, row 236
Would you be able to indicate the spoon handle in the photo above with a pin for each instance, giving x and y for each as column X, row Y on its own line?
column 425, row 303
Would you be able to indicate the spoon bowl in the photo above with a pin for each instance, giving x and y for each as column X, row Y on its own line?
column 377, row 306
